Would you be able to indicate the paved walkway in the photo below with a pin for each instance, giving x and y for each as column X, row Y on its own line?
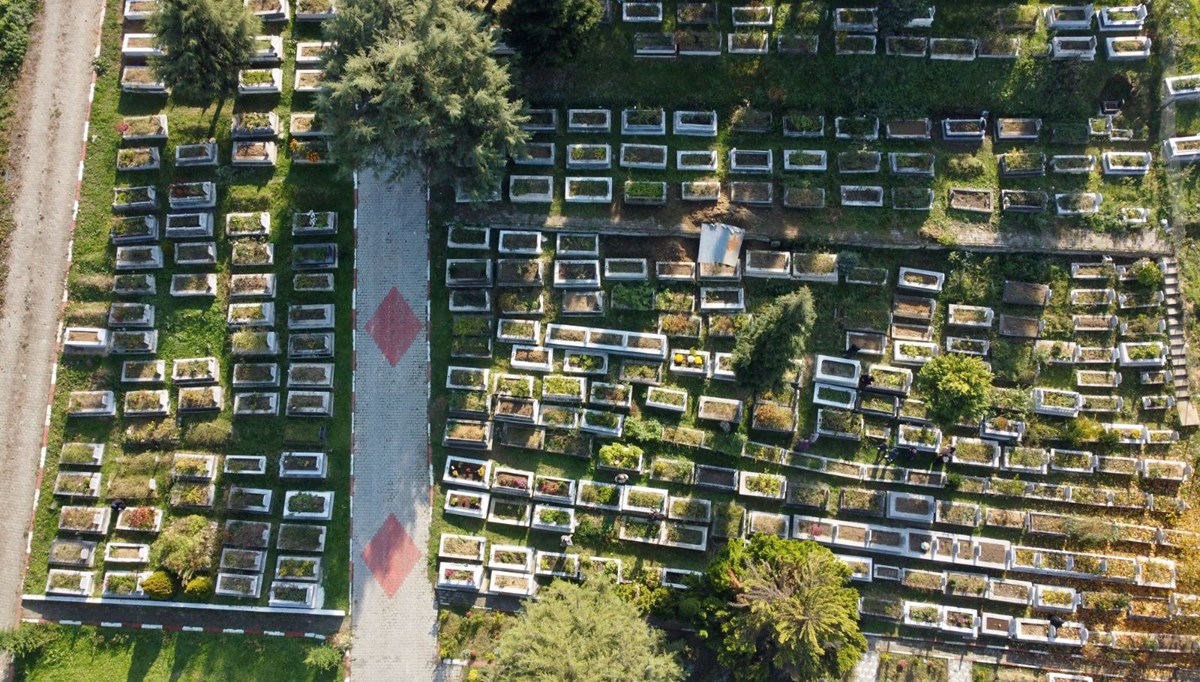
column 44, row 165
column 393, row 611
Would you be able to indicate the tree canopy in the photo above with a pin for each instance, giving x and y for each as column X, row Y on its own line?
column 786, row 611
column 413, row 83
column 778, row 334
column 205, row 42
column 956, row 387
column 550, row 31
column 583, row 633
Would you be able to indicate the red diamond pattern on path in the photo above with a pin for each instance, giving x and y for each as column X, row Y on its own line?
column 390, row 555
column 394, row 326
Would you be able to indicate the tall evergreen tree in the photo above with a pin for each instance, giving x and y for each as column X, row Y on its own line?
column 778, row 334
column 206, row 42
column 413, row 83
column 583, row 633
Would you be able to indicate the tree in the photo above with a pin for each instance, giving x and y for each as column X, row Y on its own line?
column 205, row 43
column 550, row 31
column 411, row 84
column 185, row 547
column 765, row 349
column 957, row 388
column 786, row 611
column 583, row 633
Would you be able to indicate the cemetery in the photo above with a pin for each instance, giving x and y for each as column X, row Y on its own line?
column 1007, row 529
column 205, row 375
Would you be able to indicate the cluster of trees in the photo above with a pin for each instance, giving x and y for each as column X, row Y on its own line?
column 410, row 83
column 773, row 609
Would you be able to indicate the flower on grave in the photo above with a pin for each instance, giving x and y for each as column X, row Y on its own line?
column 122, row 127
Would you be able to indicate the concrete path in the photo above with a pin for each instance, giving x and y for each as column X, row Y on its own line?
column 43, row 178
column 393, row 611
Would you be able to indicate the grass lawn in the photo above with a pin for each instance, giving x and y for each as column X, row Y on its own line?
column 106, row 656
column 196, row 327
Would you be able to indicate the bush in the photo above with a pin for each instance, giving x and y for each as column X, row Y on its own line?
column 1147, row 273
column 186, row 546
column 28, row 639
column 162, row 434
column 1082, row 430
column 159, row 586
column 324, row 658
column 957, row 387
column 200, row 586
column 550, row 31
column 620, row 455
column 16, row 17
column 637, row 428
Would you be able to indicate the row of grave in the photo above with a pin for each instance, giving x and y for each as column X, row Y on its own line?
column 750, row 42
column 501, row 495
column 1016, row 18
column 586, row 156
column 541, row 189
column 269, row 11
column 240, row 571
column 646, row 121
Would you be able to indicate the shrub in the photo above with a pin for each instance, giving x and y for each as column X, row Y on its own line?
column 620, row 455
column 200, row 586
column 958, row 388
column 642, row 429
column 186, row 546
column 323, row 657
column 1147, row 273
column 28, row 639
column 159, row 586
column 162, row 434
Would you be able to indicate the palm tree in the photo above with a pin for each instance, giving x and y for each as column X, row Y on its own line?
column 793, row 616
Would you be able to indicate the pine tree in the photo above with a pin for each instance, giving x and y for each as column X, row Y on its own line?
column 778, row 334
column 205, row 43
column 412, row 83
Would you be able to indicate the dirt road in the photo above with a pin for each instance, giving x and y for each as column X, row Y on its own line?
column 46, row 148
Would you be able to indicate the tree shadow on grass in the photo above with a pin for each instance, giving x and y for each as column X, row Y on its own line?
column 146, row 651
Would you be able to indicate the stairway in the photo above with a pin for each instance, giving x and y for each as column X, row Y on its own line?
column 1178, row 343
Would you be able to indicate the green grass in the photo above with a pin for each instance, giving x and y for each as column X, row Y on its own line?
column 196, row 327
column 89, row 653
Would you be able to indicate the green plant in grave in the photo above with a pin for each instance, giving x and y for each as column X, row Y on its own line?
column 620, row 455
column 957, row 388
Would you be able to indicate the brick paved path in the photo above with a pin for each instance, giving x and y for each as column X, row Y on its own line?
column 393, row 611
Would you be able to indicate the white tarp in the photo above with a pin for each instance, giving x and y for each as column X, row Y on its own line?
column 720, row 243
